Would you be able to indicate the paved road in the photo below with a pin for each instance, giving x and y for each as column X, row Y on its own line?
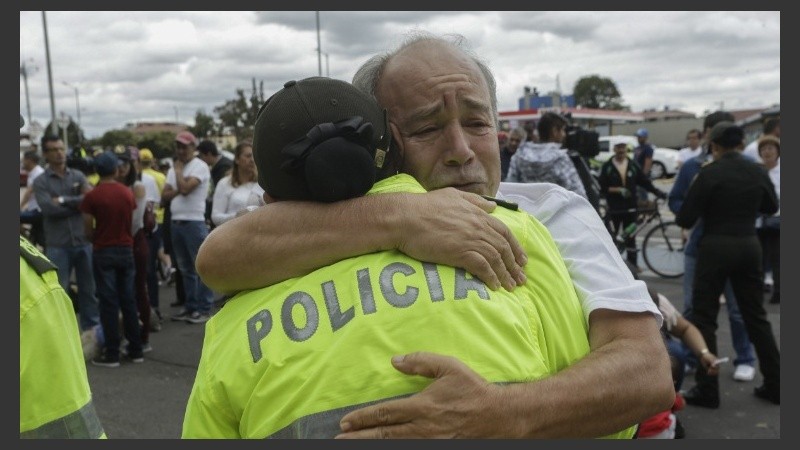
column 148, row 400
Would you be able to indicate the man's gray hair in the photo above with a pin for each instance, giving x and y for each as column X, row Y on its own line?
column 367, row 76
column 519, row 131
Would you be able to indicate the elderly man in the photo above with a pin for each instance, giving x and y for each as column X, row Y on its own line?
column 442, row 111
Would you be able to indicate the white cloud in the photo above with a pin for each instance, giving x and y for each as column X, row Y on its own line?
column 143, row 65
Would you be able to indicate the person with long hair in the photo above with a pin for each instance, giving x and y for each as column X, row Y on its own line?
column 239, row 190
column 769, row 227
column 129, row 176
column 728, row 194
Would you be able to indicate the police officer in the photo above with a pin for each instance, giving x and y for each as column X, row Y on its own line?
column 728, row 194
column 54, row 396
column 291, row 359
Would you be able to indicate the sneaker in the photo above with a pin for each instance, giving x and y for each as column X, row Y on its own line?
column 183, row 315
column 155, row 320
column 136, row 358
column 744, row 372
column 104, row 360
column 198, row 317
column 147, row 348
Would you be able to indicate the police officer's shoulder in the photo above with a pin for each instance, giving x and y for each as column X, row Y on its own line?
column 34, row 257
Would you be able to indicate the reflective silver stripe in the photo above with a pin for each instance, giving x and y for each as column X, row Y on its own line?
column 322, row 425
column 82, row 424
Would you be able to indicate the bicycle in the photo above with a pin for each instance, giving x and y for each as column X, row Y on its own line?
column 663, row 242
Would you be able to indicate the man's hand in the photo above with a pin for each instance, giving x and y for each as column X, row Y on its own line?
column 450, row 407
column 454, row 228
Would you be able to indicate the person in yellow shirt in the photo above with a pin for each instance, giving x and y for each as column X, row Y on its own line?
column 290, row 360
column 155, row 239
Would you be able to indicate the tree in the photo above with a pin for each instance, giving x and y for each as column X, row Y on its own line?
column 597, row 92
column 161, row 143
column 75, row 135
column 203, row 124
column 112, row 138
column 241, row 112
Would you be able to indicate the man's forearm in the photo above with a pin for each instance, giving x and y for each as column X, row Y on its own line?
column 283, row 240
column 622, row 381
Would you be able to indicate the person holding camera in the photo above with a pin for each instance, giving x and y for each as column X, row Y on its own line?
column 619, row 177
column 546, row 162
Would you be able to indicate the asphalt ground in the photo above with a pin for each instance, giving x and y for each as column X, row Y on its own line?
column 148, row 400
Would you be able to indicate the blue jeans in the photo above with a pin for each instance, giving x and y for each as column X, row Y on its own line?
column 680, row 352
column 154, row 242
column 187, row 235
column 80, row 259
column 114, row 270
column 741, row 342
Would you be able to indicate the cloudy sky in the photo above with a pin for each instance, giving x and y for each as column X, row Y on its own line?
column 131, row 66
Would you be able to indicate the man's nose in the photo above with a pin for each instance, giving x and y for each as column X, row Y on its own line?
column 457, row 145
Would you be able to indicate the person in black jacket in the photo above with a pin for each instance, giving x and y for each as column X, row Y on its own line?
column 728, row 194
column 619, row 177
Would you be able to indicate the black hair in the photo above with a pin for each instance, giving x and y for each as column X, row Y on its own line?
column 730, row 137
column 547, row 122
column 695, row 130
column 207, row 147
column 770, row 125
column 33, row 155
column 48, row 138
column 717, row 117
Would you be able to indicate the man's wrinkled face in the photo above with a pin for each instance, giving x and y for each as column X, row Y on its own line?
column 441, row 118
column 184, row 152
column 513, row 142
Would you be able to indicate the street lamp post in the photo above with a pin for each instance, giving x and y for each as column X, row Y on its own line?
column 24, row 71
column 327, row 65
column 77, row 101
column 319, row 47
column 49, row 75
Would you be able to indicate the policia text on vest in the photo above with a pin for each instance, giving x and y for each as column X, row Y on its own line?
column 289, row 360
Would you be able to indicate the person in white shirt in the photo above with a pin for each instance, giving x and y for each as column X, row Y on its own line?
column 769, row 227
column 186, row 188
column 239, row 190
column 441, row 104
column 30, row 213
column 693, row 147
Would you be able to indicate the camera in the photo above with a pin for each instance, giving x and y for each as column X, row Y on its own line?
column 582, row 141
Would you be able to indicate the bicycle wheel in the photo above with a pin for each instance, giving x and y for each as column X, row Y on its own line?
column 662, row 250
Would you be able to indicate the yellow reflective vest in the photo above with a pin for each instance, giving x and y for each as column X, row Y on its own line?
column 54, row 396
column 289, row 360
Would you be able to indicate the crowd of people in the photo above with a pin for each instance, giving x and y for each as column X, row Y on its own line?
column 514, row 290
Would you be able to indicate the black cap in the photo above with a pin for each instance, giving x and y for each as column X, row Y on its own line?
column 319, row 139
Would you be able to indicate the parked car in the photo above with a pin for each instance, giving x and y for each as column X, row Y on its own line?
column 665, row 160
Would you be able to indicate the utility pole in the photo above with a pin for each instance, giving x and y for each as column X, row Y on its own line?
column 77, row 103
column 176, row 113
column 23, row 71
column 319, row 48
column 49, row 76
column 327, row 65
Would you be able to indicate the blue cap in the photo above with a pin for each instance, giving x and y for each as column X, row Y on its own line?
column 106, row 163
column 641, row 132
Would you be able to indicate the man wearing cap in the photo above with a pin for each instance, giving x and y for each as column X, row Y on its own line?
column 186, row 189
column 619, row 178
column 107, row 216
column 643, row 156
column 340, row 323
column 442, row 111
column 59, row 191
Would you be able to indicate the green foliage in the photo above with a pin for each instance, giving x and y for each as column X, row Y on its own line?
column 74, row 133
column 240, row 113
column 597, row 92
column 161, row 143
column 112, row 138
column 203, row 124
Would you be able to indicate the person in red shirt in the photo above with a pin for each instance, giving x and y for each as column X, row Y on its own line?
column 107, row 214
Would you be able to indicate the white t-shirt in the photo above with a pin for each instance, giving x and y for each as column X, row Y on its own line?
column 229, row 200
column 752, row 151
column 601, row 278
column 688, row 153
column 35, row 172
column 151, row 188
column 193, row 205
